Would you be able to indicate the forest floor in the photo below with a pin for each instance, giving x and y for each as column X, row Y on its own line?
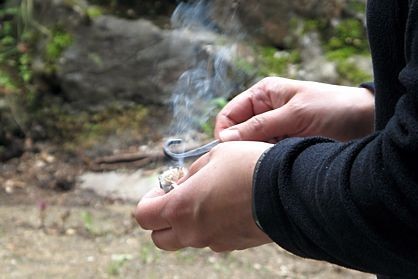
column 46, row 232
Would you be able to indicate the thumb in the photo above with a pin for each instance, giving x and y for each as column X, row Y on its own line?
column 153, row 193
column 262, row 127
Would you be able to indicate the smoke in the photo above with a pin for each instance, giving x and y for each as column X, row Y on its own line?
column 211, row 76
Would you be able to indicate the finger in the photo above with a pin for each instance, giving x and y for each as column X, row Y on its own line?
column 247, row 104
column 273, row 124
column 166, row 240
column 148, row 213
column 268, row 94
column 153, row 193
column 196, row 166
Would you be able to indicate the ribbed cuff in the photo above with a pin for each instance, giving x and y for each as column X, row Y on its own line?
column 369, row 86
column 257, row 167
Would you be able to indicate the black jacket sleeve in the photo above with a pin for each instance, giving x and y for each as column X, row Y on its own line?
column 354, row 204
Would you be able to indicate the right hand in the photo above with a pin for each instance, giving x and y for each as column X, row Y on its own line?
column 211, row 206
column 276, row 108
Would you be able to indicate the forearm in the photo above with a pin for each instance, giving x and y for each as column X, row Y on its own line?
column 338, row 202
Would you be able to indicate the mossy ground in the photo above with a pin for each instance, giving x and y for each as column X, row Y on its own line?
column 77, row 130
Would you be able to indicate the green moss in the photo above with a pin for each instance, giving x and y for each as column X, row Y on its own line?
column 274, row 62
column 347, row 39
column 85, row 129
column 245, row 66
column 350, row 72
column 349, row 33
column 311, row 25
column 358, row 6
column 94, row 11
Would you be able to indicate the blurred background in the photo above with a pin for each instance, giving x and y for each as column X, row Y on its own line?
column 89, row 91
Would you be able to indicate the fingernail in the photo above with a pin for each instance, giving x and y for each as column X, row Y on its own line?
column 229, row 135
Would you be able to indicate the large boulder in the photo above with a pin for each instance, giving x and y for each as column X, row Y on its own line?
column 118, row 60
column 268, row 20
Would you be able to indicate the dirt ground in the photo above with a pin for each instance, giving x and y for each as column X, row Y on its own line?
column 46, row 232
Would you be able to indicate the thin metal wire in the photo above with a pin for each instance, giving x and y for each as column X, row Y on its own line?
column 197, row 152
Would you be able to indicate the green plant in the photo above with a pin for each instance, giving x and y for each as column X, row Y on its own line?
column 146, row 253
column 88, row 223
column 117, row 263
column 17, row 36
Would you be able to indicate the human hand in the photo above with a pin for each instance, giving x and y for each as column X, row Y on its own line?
column 276, row 108
column 211, row 207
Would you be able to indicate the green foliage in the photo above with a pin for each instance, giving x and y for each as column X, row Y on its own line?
column 15, row 56
column 58, row 42
column 25, row 70
column 17, row 37
column 6, row 82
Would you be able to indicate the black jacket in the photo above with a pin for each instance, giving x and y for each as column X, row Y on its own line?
column 355, row 204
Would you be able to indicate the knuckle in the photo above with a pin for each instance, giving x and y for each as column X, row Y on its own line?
column 267, row 80
column 257, row 124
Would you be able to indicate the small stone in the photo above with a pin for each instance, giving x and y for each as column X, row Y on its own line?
column 257, row 266
column 70, row 231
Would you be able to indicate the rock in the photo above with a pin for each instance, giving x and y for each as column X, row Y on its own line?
column 268, row 20
column 314, row 64
column 11, row 134
column 61, row 12
column 116, row 60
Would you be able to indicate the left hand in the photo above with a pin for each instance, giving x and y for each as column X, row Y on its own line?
column 212, row 207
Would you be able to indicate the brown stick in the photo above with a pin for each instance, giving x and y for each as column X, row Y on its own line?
column 125, row 161
column 128, row 157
